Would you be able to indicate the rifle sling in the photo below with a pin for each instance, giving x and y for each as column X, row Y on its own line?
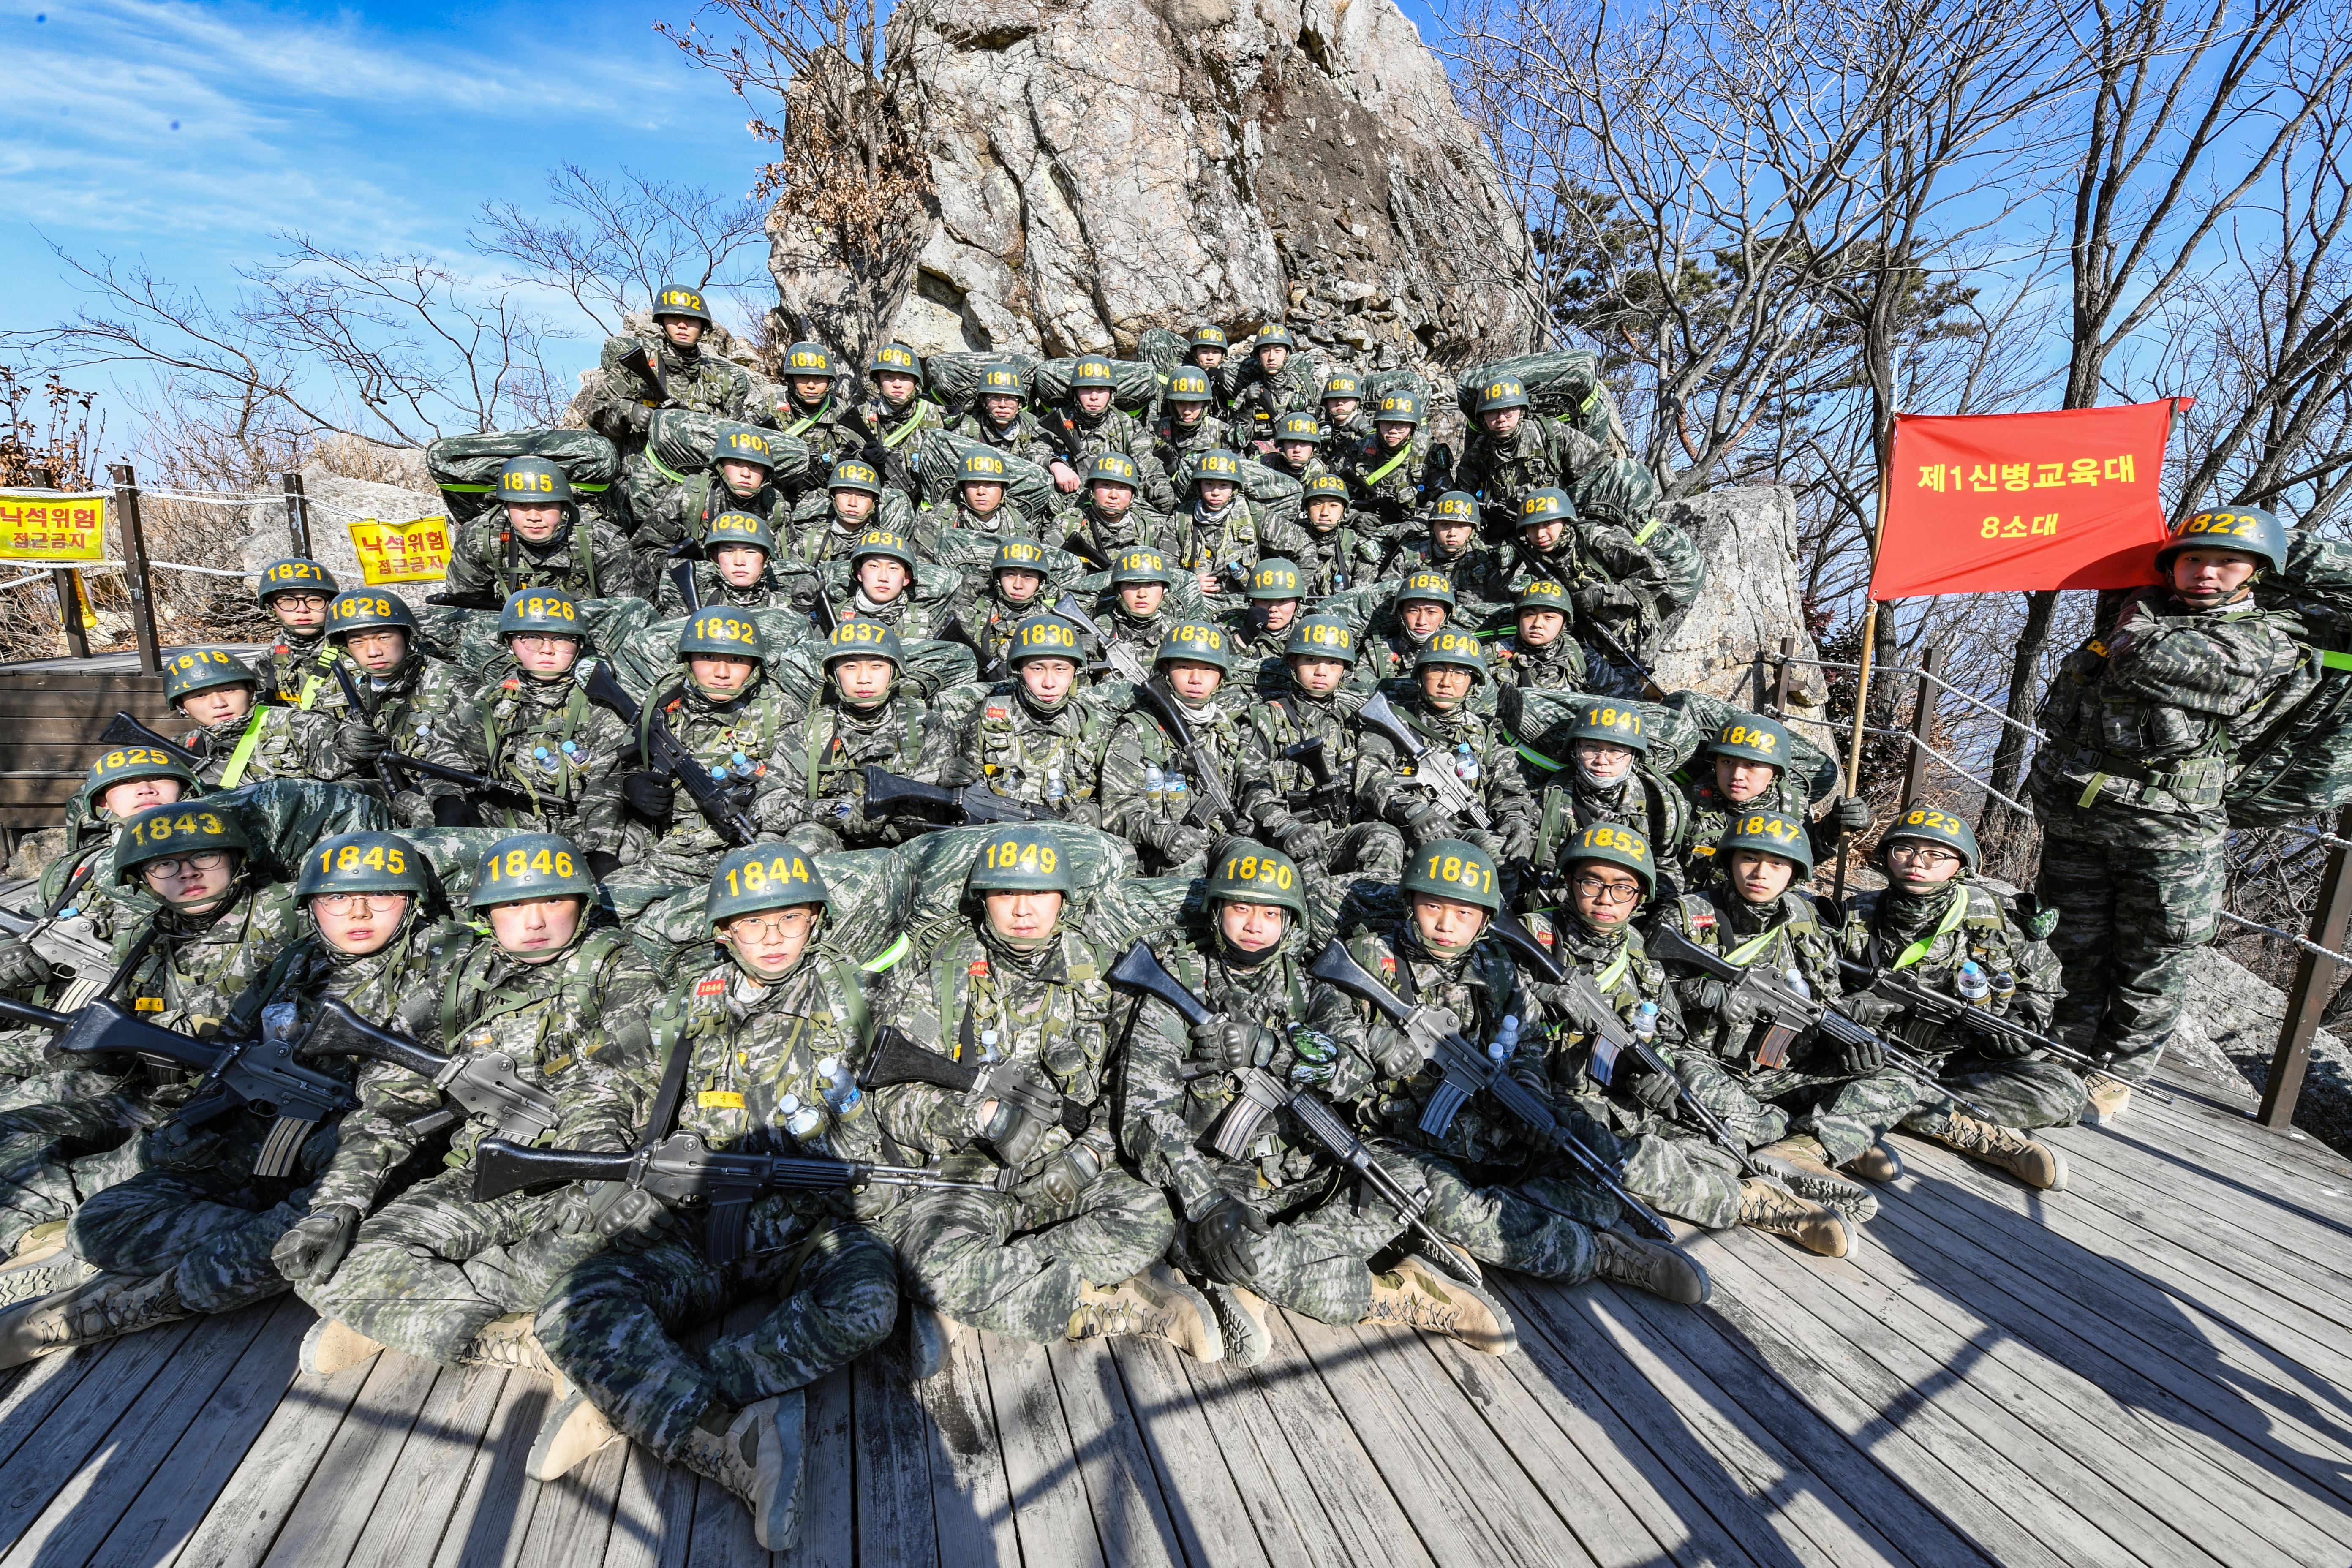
column 664, row 1114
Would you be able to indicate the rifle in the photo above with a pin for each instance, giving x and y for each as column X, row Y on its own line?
column 351, row 701
column 683, row 1171
column 1432, row 769
column 1651, row 690
column 647, row 366
column 70, row 947
column 682, row 573
column 828, row 619
column 259, row 1072
column 1083, row 546
column 1468, row 1069
column 479, row 599
column 1139, row 970
column 1211, row 803
column 895, row 794
column 123, row 729
column 991, row 667
column 1063, row 431
column 1120, row 658
column 482, row 1083
column 1327, row 801
column 899, row 1059
column 664, row 754
column 1791, row 1015
column 1609, row 1031
column 1933, row 1011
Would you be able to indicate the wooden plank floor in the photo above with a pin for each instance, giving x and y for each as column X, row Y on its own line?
column 2152, row 1367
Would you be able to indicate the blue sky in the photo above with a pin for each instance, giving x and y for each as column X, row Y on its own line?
column 188, row 133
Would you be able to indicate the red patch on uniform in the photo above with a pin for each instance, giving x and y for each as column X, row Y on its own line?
column 1703, row 920
column 998, row 711
column 1545, row 935
column 713, row 986
column 511, row 684
column 279, row 647
column 979, row 967
column 1387, row 966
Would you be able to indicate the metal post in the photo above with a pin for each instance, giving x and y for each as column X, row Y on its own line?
column 1780, row 680
column 61, row 578
column 298, row 512
column 1923, row 728
column 135, row 558
column 2314, row 982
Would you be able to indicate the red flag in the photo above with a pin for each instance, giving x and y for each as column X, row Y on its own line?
column 1980, row 503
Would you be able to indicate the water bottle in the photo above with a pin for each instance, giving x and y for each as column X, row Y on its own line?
column 1645, row 1020
column 1506, row 1040
column 546, row 764
column 1972, row 985
column 2004, row 986
column 800, row 1120
column 1178, row 801
column 1155, row 784
column 1053, row 790
column 1797, row 983
column 1465, row 762
column 841, row 1091
column 988, row 1044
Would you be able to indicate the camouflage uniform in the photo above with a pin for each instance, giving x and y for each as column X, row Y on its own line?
column 701, row 381
column 1137, row 525
column 1706, row 816
column 612, row 1323
column 1023, row 438
column 826, row 428
column 1275, row 789
column 1557, row 665
column 1475, row 746
column 1482, row 583
column 1013, row 1261
column 899, row 430
column 589, row 558
column 818, row 532
column 999, row 734
column 300, row 672
column 1258, row 400
column 934, row 523
column 1390, row 484
column 561, row 751
column 2145, row 728
column 1141, row 755
column 1348, row 556
column 433, row 1268
column 712, row 591
column 1230, row 539
column 822, row 804
column 749, row 739
column 290, row 744
column 1177, row 446
column 682, row 517
column 1649, row 804
column 1114, row 430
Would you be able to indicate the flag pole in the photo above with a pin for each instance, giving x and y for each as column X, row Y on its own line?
column 1862, row 669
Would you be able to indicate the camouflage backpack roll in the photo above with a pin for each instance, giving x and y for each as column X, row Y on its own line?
column 466, row 467
column 2302, row 766
column 283, row 817
column 1381, row 382
column 1564, row 383
column 1541, row 720
column 1269, row 486
column 936, row 865
column 1625, row 494
column 1163, row 349
column 1138, row 391
column 1808, row 763
column 938, row 463
column 954, row 378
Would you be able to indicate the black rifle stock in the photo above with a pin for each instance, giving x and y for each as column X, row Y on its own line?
column 123, row 729
column 1327, row 801
column 1602, row 1020
column 665, row 755
column 895, row 794
column 479, row 599
column 1120, row 658
column 991, row 667
column 682, row 573
column 481, row 1083
column 645, row 365
column 1468, row 1069
column 1433, row 770
column 683, row 1172
column 1212, row 807
column 1139, row 970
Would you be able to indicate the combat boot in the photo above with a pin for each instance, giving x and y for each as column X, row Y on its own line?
column 574, row 1432
column 1878, row 1163
column 2110, row 1097
column 1768, row 1206
column 102, row 1308
column 1413, row 1296
column 43, row 1265
column 1156, row 1302
column 331, row 1345
column 2029, row 1159
column 1241, row 1323
column 1648, row 1266
column 930, row 1333
column 757, row 1455
column 1802, row 1162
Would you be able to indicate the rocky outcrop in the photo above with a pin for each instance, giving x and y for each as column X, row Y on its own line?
column 2229, row 1025
column 1101, row 167
column 335, row 502
column 1749, row 534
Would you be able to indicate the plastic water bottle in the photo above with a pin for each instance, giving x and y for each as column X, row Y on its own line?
column 1797, row 982
column 1506, row 1040
column 2004, row 986
column 1053, row 790
column 1465, row 762
column 988, row 1044
column 1972, row 985
column 1177, row 797
column 1155, row 784
column 841, row 1091
column 800, row 1120
column 1645, row 1020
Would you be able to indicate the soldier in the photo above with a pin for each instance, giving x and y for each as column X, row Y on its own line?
column 1219, row 533
column 1745, row 769
column 195, row 1232
column 528, row 724
column 739, row 479
column 1934, row 923
column 1188, row 429
column 2146, row 723
column 241, row 740
column 1482, row 583
column 1344, row 419
column 1136, row 613
column 401, row 687
column 1297, row 440
column 816, row 408
column 1492, row 1193
column 1153, row 789
column 978, row 506
column 1611, row 873
column 1029, row 737
column 1516, row 450
column 1291, row 793
column 737, row 571
column 1000, row 417
column 299, row 671
column 736, row 724
column 1388, row 791
column 824, row 527
column 1278, row 380
column 1002, row 600
column 124, row 781
column 1541, row 656
column 866, row 714
column 1108, row 521
column 771, row 1036
column 1394, row 468
column 886, row 590
column 620, row 407
column 1072, row 1249
column 534, row 535
column 436, row 1272
column 1205, row 353
column 1093, row 427
column 1338, row 554
column 1400, row 633
column 1608, row 782
column 1260, row 634
column 896, row 413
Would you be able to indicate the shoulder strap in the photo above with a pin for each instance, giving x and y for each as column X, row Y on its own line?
column 242, row 757
column 850, row 986
column 663, row 1114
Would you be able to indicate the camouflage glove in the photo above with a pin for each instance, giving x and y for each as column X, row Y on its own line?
column 1301, row 839
column 1604, row 601
column 650, row 794
column 1016, row 1108
column 1706, row 995
column 1226, row 1240
column 1871, row 1012
column 1653, row 1091
column 1851, row 815
column 1055, row 1189
column 409, row 809
column 1232, row 1043
column 1180, row 841
column 1854, row 1061
column 313, row 1248
column 21, row 968
column 1424, row 822
column 622, row 422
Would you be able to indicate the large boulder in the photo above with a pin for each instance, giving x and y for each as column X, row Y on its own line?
column 1105, row 166
column 1749, row 534
column 336, row 501
column 2229, row 1025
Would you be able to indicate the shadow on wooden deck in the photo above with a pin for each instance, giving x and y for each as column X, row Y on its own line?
column 2148, row 1368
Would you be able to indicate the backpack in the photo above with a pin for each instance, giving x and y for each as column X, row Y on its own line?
column 2301, row 766
column 1564, row 383
column 939, row 464
column 1138, row 392
column 466, row 467
column 954, row 378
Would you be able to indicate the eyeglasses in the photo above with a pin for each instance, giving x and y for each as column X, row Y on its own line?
column 186, row 865
column 768, row 927
column 1927, row 855
column 349, row 903
column 300, row 601
column 1607, row 892
column 546, row 642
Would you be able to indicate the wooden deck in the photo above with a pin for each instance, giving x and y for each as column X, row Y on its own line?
column 2151, row 1368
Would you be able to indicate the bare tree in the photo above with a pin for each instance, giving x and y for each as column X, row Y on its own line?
column 627, row 237
column 837, row 92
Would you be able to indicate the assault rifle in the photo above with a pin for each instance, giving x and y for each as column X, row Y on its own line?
column 1121, row 659
column 359, row 712
column 897, row 1059
column 1612, row 1041
column 1933, row 1011
column 1611, row 643
column 663, row 754
column 70, row 946
column 259, row 1072
column 1327, row 801
column 645, row 365
column 895, row 794
column 1211, row 805
column 1139, row 970
column 991, row 667
column 1433, row 770
column 392, row 763
column 481, row 1083
column 683, row 1171
column 1789, row 1013
column 479, row 599
column 1468, row 1069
